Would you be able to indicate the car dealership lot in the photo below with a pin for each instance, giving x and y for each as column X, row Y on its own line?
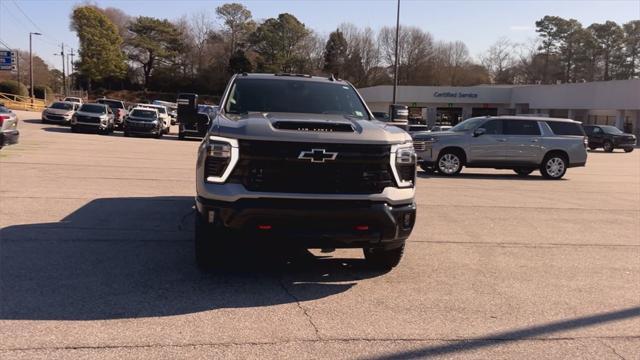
column 96, row 261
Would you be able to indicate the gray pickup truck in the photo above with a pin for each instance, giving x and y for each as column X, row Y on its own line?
column 299, row 161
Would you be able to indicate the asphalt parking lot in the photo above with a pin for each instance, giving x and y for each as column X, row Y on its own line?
column 96, row 262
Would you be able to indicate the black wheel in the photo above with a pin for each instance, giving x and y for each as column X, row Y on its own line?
column 450, row 163
column 607, row 146
column 74, row 129
column 627, row 150
column 209, row 242
column 523, row 171
column 554, row 166
column 381, row 259
column 427, row 169
column 126, row 133
column 592, row 147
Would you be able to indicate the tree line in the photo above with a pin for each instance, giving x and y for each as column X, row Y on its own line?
column 118, row 51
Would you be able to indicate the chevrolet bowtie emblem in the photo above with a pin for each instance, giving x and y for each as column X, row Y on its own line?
column 317, row 155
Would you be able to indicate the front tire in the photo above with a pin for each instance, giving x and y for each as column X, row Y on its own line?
column 554, row 166
column 449, row 163
column 607, row 146
column 382, row 259
column 628, row 150
column 427, row 169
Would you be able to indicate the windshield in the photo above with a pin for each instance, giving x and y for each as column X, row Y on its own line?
column 612, row 130
column 293, row 96
column 93, row 108
column 112, row 103
column 161, row 109
column 61, row 106
column 467, row 125
column 147, row 114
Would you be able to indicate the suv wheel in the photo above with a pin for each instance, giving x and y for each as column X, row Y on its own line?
column 523, row 171
column 381, row 259
column 449, row 163
column 628, row 149
column 554, row 166
column 209, row 239
column 607, row 146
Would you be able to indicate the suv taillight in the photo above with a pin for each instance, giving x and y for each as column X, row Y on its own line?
column 3, row 118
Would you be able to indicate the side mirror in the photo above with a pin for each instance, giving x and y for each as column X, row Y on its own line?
column 479, row 131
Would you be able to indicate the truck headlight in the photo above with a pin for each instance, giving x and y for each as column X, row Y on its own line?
column 403, row 164
column 221, row 156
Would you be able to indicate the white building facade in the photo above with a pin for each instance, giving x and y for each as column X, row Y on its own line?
column 605, row 102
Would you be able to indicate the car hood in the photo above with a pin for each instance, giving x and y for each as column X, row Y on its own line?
column 58, row 111
column 296, row 127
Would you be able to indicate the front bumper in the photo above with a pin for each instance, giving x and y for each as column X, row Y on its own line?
column 9, row 137
column 56, row 118
column 141, row 130
column 314, row 223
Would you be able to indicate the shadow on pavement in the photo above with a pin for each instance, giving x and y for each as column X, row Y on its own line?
column 133, row 257
column 533, row 177
column 518, row 334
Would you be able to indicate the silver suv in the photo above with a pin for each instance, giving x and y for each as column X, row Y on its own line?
column 523, row 144
column 300, row 161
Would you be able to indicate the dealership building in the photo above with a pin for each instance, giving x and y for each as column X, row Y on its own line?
column 605, row 102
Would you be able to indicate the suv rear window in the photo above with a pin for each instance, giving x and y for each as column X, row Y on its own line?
column 566, row 128
column 521, row 127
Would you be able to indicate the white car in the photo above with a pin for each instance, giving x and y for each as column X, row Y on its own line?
column 162, row 112
column 59, row 112
column 73, row 99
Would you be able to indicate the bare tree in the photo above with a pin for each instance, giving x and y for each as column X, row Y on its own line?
column 200, row 28
column 499, row 60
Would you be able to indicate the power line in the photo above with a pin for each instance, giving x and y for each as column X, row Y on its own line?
column 54, row 42
column 5, row 44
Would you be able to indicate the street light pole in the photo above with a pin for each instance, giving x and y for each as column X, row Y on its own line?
column 31, row 64
column 395, row 67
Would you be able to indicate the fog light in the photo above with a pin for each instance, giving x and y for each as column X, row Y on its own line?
column 264, row 227
column 362, row 227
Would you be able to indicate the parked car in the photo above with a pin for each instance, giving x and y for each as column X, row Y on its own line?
column 523, row 144
column 9, row 133
column 59, row 112
column 143, row 121
column 609, row 138
column 162, row 113
column 172, row 108
column 118, row 108
column 438, row 128
column 93, row 117
column 74, row 99
column 193, row 118
column 296, row 160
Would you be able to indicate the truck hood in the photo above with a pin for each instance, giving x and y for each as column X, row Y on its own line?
column 53, row 111
column 296, row 127
column 438, row 134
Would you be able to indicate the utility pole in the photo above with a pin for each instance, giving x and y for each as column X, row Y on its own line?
column 31, row 64
column 395, row 67
column 18, row 64
column 64, row 79
column 71, row 69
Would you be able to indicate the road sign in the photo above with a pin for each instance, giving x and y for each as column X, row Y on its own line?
column 7, row 60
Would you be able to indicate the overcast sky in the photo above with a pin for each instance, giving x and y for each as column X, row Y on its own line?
column 477, row 23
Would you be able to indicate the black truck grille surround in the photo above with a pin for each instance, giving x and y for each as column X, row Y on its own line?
column 268, row 166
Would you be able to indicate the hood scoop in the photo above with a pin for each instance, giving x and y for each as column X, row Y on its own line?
column 313, row 126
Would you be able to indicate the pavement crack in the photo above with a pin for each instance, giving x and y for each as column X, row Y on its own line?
column 612, row 349
column 183, row 218
column 302, row 308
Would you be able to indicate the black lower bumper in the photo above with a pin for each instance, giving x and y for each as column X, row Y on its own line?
column 314, row 223
column 9, row 137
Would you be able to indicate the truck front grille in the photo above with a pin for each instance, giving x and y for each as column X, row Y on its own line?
column 267, row 166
